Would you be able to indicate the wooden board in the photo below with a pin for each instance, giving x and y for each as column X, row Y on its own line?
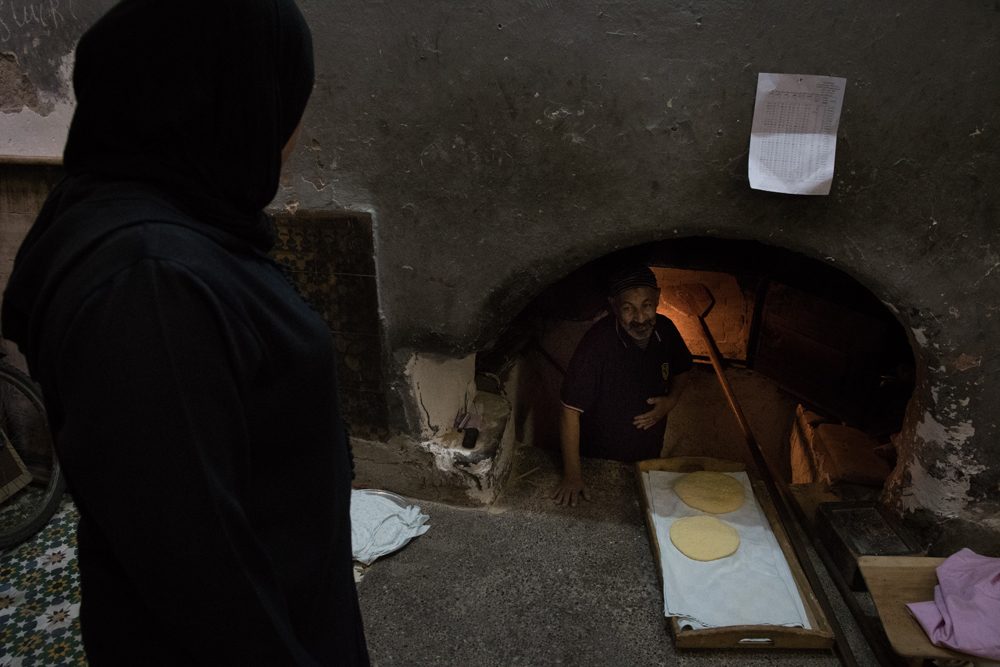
column 893, row 581
column 809, row 496
column 14, row 476
column 820, row 636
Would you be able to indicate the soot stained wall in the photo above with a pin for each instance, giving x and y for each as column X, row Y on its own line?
column 499, row 145
column 502, row 143
column 38, row 34
column 36, row 48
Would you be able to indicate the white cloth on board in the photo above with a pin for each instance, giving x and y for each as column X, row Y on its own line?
column 754, row 586
column 381, row 523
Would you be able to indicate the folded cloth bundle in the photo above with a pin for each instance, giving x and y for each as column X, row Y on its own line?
column 382, row 522
column 965, row 612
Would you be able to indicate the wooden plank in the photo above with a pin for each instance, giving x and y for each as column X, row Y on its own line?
column 14, row 476
column 31, row 160
column 809, row 496
column 750, row 637
column 894, row 581
column 689, row 464
column 820, row 636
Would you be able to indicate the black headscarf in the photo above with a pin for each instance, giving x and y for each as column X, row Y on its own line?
column 183, row 108
column 194, row 97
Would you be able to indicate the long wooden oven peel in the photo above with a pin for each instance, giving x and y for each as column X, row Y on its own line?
column 694, row 300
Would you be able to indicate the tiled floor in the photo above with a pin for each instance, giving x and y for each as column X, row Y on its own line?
column 40, row 597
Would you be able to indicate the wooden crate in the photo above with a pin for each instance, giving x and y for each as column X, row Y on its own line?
column 820, row 636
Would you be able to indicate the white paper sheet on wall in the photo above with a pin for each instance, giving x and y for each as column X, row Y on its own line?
column 793, row 140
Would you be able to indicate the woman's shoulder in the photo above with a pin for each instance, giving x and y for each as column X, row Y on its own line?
column 164, row 240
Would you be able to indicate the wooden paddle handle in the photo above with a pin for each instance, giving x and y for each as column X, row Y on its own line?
column 841, row 647
column 727, row 389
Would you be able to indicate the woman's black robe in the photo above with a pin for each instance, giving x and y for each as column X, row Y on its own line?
column 191, row 390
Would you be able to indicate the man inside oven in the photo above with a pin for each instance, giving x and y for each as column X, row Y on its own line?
column 625, row 377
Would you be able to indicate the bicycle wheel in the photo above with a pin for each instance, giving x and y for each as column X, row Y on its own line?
column 31, row 482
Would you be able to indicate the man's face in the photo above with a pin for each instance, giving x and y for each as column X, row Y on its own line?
column 636, row 311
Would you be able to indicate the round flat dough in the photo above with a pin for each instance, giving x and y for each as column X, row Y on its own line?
column 713, row 492
column 704, row 538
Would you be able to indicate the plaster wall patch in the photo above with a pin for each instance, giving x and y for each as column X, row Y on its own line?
column 480, row 468
column 447, row 458
column 442, row 387
column 991, row 521
column 944, row 497
column 967, row 361
column 444, row 457
column 931, row 430
column 968, row 467
column 30, row 134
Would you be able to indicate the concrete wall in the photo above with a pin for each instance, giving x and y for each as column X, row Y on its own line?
column 36, row 62
column 500, row 144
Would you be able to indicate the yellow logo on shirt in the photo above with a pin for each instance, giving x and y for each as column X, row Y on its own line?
column 665, row 371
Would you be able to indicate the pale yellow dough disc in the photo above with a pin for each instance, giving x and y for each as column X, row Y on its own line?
column 704, row 538
column 713, row 492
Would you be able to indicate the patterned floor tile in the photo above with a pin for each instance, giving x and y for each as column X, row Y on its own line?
column 40, row 597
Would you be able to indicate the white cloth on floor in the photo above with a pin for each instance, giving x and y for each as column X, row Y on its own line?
column 381, row 523
column 754, row 586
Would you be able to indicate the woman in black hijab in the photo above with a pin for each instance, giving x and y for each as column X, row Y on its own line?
column 190, row 389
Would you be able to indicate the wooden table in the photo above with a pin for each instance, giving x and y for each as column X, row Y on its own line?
column 893, row 581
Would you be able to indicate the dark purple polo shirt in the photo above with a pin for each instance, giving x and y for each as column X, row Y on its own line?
column 609, row 379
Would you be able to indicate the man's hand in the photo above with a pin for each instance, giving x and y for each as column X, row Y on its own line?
column 569, row 491
column 661, row 406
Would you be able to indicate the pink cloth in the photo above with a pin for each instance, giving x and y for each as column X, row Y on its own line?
column 965, row 613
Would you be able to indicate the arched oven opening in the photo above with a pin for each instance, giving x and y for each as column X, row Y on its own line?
column 822, row 369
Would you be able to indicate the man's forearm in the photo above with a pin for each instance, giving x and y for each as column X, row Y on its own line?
column 569, row 436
